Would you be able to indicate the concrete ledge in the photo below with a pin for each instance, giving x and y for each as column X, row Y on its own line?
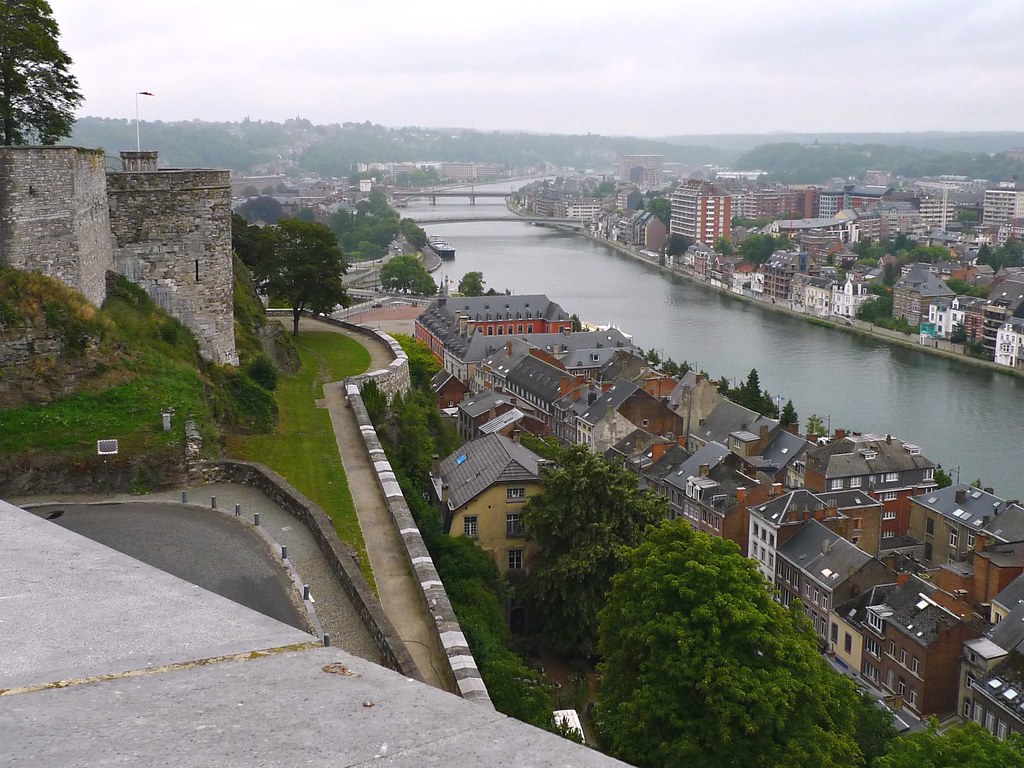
column 342, row 560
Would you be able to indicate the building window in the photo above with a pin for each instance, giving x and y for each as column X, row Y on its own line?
column 469, row 526
column 912, row 696
column 197, row 270
column 915, row 665
column 901, row 686
column 847, row 642
column 855, row 482
column 888, row 534
column 515, row 559
column 890, row 496
column 892, row 648
column 990, row 722
column 903, row 656
column 967, row 709
column 875, row 621
column 529, row 328
column 929, row 526
column 835, row 633
column 929, row 475
column 515, row 494
column 978, row 712
column 837, row 485
column 970, row 539
column 954, row 537
column 513, row 525
column 889, row 514
column 871, row 646
column 891, row 477
column 519, row 328
column 1001, row 729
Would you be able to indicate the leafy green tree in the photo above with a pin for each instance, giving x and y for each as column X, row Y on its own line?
column 251, row 243
column 789, row 414
column 677, row 244
column 577, row 324
column 759, row 248
column 413, row 233
column 723, row 246
column 815, row 426
column 959, row 334
column 965, row 746
column 942, row 478
column 422, row 363
column 263, row 208
column 661, row 208
column 702, row 667
column 963, row 288
column 472, row 284
column 406, row 274
column 875, row 308
column 304, row 266
column 38, row 93
column 587, row 514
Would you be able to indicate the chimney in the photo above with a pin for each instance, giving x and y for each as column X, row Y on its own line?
column 960, row 495
column 902, row 578
column 741, row 496
column 840, row 434
column 826, row 546
column 704, row 469
column 508, row 347
column 888, row 439
column 658, row 450
column 763, row 432
column 776, row 489
column 819, row 515
column 591, row 397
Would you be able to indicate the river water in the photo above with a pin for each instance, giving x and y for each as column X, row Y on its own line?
column 966, row 418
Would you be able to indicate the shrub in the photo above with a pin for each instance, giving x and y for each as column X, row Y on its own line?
column 262, row 371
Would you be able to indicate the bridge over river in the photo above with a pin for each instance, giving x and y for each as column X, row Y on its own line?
column 433, row 194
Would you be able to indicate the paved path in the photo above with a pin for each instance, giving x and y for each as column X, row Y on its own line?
column 400, row 594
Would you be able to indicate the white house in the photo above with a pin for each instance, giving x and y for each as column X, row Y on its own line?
column 1010, row 343
column 847, row 298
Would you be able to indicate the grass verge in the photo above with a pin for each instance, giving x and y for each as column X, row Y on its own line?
column 303, row 448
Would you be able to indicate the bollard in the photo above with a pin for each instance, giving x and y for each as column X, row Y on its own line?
column 213, row 502
column 184, row 497
column 256, row 518
column 284, row 552
column 327, row 640
column 305, row 591
column 238, row 510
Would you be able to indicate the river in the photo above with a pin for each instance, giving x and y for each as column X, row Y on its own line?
column 964, row 417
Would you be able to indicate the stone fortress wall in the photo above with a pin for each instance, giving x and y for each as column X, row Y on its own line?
column 168, row 231
column 53, row 215
column 172, row 236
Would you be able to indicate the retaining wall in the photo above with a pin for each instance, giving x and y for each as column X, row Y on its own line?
column 343, row 561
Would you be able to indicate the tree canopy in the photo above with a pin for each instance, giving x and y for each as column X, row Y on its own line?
column 303, row 265
column 702, row 667
column 589, row 512
column 407, row 275
column 472, row 284
column 966, row 746
column 38, row 93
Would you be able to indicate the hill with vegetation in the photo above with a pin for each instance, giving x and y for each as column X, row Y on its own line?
column 72, row 374
column 333, row 150
column 814, row 163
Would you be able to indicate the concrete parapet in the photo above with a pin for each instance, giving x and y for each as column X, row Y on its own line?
column 462, row 669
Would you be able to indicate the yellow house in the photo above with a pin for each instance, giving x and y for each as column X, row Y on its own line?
column 846, row 642
column 482, row 487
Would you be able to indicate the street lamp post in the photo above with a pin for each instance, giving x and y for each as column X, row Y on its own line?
column 138, row 139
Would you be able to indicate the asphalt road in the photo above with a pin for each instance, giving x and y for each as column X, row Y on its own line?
column 208, row 549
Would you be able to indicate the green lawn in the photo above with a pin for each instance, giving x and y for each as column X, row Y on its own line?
column 303, row 448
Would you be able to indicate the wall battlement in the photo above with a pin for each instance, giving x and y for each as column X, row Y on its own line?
column 168, row 231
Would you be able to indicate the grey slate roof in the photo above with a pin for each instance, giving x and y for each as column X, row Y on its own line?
column 975, row 509
column 481, row 463
column 538, row 378
column 481, row 403
column 789, row 507
column 728, row 417
column 711, row 454
column 916, row 615
column 784, row 448
column 1009, row 525
column 1012, row 595
column 855, row 609
column 921, row 281
column 669, row 463
column 1008, row 634
column 847, row 457
column 851, row 499
column 612, row 398
column 829, row 568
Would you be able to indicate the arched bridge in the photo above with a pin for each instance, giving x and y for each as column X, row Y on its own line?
column 434, row 194
column 539, row 220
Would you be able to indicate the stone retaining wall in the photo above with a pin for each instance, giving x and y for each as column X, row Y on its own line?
column 342, row 560
column 462, row 668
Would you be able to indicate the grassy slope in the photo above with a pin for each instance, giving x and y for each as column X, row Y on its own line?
column 303, row 448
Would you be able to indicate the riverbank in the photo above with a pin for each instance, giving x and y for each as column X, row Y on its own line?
column 942, row 348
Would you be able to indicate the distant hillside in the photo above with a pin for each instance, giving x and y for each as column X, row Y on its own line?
column 991, row 142
column 816, row 163
column 333, row 150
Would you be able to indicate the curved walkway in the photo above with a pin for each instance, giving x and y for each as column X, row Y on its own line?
column 400, row 594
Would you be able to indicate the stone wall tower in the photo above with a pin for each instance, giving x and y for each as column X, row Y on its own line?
column 172, row 236
column 53, row 215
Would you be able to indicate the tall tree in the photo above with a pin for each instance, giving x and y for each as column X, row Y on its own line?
column 589, row 512
column 662, row 208
column 789, row 414
column 38, row 93
column 304, row 267
column 472, row 284
column 702, row 667
column 406, row 274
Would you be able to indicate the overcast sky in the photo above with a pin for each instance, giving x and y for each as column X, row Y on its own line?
column 642, row 68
